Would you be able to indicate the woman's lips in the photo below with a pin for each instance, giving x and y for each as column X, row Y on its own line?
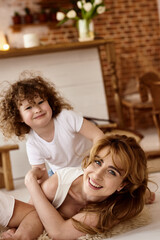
column 93, row 184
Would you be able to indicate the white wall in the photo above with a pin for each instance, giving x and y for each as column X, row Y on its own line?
column 77, row 75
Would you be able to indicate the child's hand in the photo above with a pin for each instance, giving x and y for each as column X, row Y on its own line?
column 35, row 174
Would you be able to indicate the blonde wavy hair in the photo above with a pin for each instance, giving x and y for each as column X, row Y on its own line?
column 27, row 87
column 127, row 203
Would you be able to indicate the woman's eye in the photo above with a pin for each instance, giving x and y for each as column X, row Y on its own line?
column 112, row 172
column 98, row 162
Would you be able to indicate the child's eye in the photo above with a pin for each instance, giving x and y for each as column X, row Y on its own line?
column 40, row 102
column 27, row 108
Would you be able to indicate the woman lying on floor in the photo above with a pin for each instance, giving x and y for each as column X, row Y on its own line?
column 73, row 202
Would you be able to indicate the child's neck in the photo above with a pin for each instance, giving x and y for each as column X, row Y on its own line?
column 46, row 133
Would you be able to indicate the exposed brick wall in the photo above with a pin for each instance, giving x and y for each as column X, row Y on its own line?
column 135, row 28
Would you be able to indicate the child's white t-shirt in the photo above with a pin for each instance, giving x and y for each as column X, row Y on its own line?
column 67, row 148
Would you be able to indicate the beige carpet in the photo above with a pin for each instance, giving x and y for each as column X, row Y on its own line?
column 142, row 219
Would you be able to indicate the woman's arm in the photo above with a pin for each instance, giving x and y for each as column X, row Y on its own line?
column 55, row 225
column 42, row 179
column 91, row 131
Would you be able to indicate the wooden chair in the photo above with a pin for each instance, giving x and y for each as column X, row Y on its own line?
column 137, row 101
column 150, row 83
column 6, row 178
column 110, row 127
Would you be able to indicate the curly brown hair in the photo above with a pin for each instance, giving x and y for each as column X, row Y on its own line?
column 127, row 203
column 26, row 88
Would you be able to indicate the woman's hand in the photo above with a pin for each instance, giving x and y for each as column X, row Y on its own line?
column 35, row 174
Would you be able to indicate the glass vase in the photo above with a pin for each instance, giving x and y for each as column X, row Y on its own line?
column 85, row 30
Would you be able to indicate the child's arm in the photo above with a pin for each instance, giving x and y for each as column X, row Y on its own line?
column 35, row 156
column 91, row 131
column 55, row 225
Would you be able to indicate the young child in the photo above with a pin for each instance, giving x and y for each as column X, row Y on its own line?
column 56, row 134
column 110, row 189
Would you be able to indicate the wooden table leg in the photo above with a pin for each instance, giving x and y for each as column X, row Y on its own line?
column 1, row 174
column 7, row 170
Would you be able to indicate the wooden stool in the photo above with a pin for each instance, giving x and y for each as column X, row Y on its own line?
column 6, row 178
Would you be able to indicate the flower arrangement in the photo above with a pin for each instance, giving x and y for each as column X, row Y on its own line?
column 84, row 10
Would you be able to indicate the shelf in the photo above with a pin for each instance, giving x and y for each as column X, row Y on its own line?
column 18, row 27
column 19, row 52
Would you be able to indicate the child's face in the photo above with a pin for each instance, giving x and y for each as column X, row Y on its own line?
column 102, row 178
column 36, row 114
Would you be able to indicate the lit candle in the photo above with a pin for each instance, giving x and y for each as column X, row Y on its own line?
column 4, row 46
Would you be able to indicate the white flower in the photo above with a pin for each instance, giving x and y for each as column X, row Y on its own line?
column 101, row 9
column 71, row 14
column 86, row 10
column 79, row 4
column 60, row 16
column 97, row 2
column 87, row 6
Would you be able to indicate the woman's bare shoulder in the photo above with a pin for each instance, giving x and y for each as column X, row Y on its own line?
column 50, row 186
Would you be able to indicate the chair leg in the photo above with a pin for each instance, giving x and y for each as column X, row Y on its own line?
column 132, row 118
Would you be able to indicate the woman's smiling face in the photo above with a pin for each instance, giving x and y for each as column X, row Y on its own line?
column 102, row 178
